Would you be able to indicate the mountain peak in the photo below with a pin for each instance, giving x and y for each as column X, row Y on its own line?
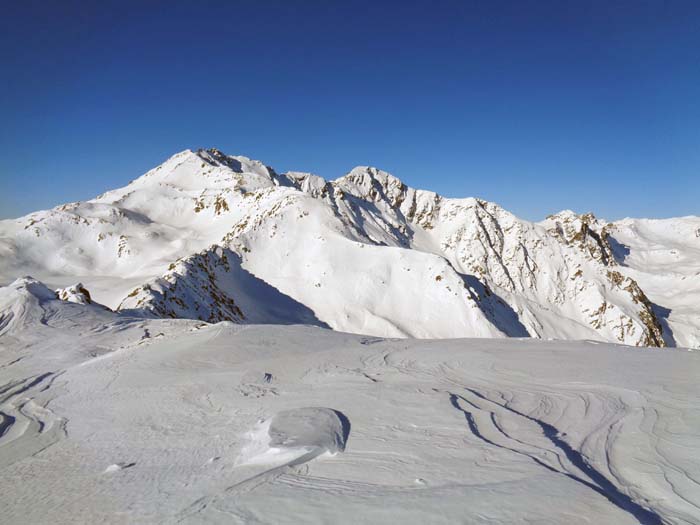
column 28, row 286
column 363, row 253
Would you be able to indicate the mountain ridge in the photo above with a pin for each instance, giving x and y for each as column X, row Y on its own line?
column 344, row 249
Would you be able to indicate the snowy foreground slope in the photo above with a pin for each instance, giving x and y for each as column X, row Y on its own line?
column 214, row 237
column 110, row 418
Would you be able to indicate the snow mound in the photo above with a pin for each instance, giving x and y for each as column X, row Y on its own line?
column 27, row 287
column 27, row 304
column 20, row 303
column 296, row 436
column 116, row 467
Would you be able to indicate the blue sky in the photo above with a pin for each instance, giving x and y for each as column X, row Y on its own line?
column 539, row 106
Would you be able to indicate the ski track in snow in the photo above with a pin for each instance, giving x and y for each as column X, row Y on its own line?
column 489, row 419
column 107, row 419
column 493, row 421
column 27, row 427
column 486, row 420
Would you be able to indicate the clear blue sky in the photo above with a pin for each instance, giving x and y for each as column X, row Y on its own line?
column 539, row 106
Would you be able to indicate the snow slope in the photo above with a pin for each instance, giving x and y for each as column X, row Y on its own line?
column 117, row 419
column 664, row 257
column 364, row 254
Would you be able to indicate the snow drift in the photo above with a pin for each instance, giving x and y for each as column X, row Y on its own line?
column 295, row 436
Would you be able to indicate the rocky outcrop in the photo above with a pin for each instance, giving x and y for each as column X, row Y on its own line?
column 189, row 289
column 74, row 294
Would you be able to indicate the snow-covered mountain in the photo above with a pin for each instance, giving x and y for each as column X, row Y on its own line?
column 215, row 237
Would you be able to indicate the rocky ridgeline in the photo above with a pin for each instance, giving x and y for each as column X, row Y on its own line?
column 204, row 221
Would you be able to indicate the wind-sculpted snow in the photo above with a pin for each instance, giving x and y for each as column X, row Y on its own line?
column 297, row 434
column 363, row 253
column 489, row 420
column 26, row 426
column 108, row 418
column 288, row 439
column 20, row 304
column 316, row 428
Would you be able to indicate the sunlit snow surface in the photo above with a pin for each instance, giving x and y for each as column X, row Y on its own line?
column 121, row 420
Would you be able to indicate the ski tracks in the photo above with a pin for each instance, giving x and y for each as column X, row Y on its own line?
column 498, row 425
column 596, row 416
column 27, row 426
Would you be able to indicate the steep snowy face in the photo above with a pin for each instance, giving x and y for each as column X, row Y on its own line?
column 663, row 256
column 391, row 197
column 215, row 237
column 556, row 275
column 585, row 232
column 213, row 286
column 356, row 279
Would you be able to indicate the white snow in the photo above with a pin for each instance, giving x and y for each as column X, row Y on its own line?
column 220, row 343
column 295, row 436
column 200, row 235
column 108, row 418
column 664, row 257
